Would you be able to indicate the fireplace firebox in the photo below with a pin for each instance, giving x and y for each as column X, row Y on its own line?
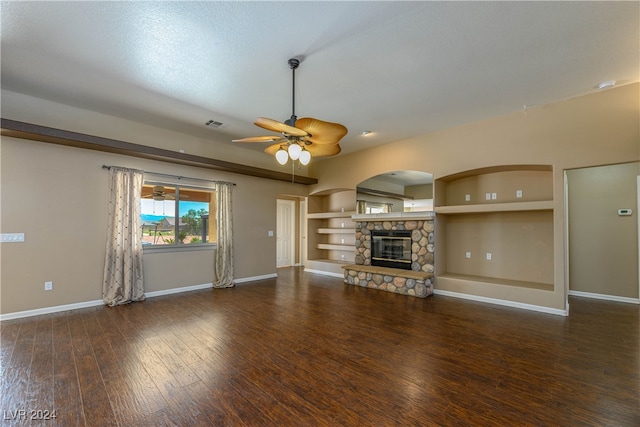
column 391, row 248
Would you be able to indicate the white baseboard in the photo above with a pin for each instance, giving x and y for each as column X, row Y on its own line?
column 94, row 303
column 324, row 273
column 604, row 297
column 254, row 278
column 48, row 310
column 178, row 290
column 502, row 302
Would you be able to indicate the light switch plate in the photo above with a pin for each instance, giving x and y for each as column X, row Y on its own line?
column 12, row 237
column 488, row 256
column 467, row 255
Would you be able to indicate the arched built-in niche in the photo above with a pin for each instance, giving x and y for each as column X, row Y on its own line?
column 395, row 191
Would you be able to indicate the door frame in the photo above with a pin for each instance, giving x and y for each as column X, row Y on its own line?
column 291, row 226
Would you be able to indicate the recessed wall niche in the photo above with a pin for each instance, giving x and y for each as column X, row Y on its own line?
column 395, row 191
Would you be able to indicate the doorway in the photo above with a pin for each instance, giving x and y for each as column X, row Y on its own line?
column 603, row 235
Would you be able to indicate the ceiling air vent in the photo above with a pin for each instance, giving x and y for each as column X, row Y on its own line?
column 213, row 124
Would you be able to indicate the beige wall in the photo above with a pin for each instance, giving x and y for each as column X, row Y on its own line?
column 595, row 129
column 57, row 196
column 601, row 128
column 603, row 249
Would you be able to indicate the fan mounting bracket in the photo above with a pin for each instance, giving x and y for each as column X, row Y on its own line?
column 293, row 63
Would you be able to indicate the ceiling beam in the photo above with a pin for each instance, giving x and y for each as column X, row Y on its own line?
column 34, row 132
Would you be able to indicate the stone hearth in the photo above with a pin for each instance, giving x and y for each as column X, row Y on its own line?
column 415, row 282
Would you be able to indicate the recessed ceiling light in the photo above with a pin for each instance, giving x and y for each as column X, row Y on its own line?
column 606, row 85
column 365, row 132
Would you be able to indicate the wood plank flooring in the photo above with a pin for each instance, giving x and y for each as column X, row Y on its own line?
column 307, row 350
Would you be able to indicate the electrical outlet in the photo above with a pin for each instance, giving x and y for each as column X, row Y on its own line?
column 48, row 286
column 488, row 256
column 270, row 233
column 519, row 194
column 494, row 196
column 487, row 196
column 467, row 197
column 342, row 241
column 467, row 255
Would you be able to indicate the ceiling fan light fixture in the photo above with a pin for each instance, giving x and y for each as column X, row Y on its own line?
column 282, row 156
column 305, row 157
column 294, row 151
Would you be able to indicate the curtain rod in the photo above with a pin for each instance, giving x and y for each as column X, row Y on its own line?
column 177, row 176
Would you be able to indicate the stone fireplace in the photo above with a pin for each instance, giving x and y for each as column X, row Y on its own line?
column 380, row 234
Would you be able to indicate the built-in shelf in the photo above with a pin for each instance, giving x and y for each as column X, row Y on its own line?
column 471, row 279
column 327, row 215
column 495, row 231
column 334, row 247
column 497, row 207
column 394, row 216
column 332, row 261
column 336, row 230
column 330, row 241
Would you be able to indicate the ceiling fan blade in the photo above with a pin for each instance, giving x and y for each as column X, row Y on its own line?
column 323, row 150
column 276, row 126
column 321, row 132
column 258, row 139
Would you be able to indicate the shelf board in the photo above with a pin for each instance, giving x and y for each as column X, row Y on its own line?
column 323, row 215
column 541, row 205
column 496, row 281
column 336, row 230
column 332, row 261
column 335, row 247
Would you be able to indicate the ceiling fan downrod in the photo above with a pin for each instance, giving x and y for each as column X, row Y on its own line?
column 293, row 64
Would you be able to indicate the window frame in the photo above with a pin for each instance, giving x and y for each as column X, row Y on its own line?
column 179, row 247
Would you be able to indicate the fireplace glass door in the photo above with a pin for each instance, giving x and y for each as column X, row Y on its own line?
column 391, row 249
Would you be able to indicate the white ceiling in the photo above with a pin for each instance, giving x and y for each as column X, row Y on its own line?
column 399, row 69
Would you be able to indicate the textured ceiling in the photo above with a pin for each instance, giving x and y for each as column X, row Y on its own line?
column 399, row 69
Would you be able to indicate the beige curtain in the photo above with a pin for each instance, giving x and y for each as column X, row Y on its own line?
column 224, row 227
column 123, row 282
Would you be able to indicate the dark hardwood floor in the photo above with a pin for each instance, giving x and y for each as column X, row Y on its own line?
column 306, row 349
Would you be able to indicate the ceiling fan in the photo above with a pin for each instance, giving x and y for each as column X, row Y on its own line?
column 299, row 139
column 159, row 194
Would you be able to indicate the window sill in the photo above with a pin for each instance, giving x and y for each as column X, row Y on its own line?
column 154, row 249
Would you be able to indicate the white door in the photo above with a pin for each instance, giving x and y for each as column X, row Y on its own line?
column 285, row 233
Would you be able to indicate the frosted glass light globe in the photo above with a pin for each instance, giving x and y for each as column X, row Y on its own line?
column 282, row 156
column 294, row 151
column 305, row 157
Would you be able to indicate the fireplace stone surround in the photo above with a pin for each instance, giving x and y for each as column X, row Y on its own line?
column 415, row 282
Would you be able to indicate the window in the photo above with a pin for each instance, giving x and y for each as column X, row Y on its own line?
column 374, row 208
column 176, row 215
